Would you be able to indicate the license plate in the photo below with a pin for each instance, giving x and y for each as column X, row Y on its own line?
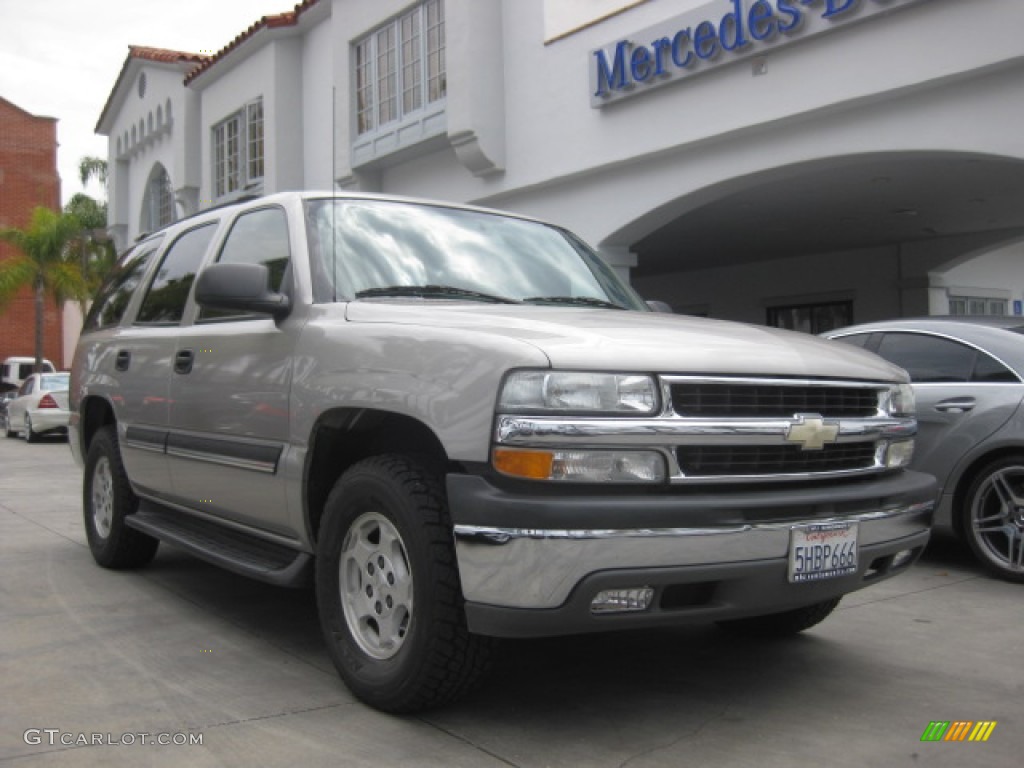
column 825, row 551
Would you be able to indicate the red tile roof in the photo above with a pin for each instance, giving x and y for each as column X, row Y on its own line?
column 287, row 19
column 164, row 55
column 160, row 55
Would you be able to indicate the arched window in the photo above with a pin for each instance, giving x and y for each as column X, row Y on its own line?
column 158, row 201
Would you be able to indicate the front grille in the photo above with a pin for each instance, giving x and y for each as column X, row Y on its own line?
column 747, row 460
column 723, row 400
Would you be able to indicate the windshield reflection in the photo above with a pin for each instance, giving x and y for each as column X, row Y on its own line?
column 364, row 247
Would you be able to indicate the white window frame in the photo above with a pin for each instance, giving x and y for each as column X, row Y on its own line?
column 964, row 305
column 157, row 201
column 238, row 152
column 399, row 71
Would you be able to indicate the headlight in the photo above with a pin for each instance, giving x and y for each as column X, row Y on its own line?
column 901, row 401
column 581, row 466
column 575, row 392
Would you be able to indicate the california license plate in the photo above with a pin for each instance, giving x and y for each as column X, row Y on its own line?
column 825, row 551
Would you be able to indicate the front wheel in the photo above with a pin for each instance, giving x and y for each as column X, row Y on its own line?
column 388, row 590
column 993, row 517
column 782, row 624
column 107, row 499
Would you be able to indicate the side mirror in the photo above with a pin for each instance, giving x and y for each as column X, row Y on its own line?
column 660, row 306
column 240, row 287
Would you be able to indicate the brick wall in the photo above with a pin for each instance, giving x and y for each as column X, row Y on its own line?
column 28, row 178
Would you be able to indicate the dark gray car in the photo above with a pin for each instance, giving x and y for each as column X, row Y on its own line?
column 968, row 376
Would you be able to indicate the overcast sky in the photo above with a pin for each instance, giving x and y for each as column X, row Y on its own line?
column 60, row 58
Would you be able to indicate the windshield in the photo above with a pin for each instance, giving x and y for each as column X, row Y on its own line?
column 54, row 381
column 364, row 249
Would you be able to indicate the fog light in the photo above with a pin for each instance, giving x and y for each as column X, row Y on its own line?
column 899, row 454
column 621, row 600
column 902, row 558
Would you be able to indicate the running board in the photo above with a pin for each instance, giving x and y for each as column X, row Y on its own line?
column 232, row 550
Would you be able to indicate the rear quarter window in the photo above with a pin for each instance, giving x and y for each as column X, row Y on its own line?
column 113, row 299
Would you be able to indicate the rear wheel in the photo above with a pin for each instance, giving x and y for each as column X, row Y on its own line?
column 993, row 517
column 388, row 591
column 29, row 434
column 107, row 500
column 782, row 624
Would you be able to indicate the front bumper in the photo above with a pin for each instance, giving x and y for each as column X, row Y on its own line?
column 530, row 565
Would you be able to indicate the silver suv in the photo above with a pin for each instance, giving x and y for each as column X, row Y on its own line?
column 460, row 424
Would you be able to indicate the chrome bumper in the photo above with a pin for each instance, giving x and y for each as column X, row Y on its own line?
column 519, row 550
column 518, row 568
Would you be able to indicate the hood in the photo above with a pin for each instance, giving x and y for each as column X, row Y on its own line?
column 605, row 339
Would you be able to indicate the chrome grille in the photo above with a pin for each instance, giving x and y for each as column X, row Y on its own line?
column 747, row 460
column 728, row 400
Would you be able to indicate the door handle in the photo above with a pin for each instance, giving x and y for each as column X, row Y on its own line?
column 183, row 361
column 956, row 405
column 123, row 360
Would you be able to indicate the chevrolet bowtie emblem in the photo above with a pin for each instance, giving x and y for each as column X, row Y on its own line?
column 811, row 432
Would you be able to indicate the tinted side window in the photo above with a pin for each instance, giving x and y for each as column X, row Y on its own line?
column 257, row 237
column 110, row 305
column 988, row 369
column 928, row 358
column 165, row 300
column 855, row 340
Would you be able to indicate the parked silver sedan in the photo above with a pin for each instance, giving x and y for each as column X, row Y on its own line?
column 41, row 407
column 968, row 376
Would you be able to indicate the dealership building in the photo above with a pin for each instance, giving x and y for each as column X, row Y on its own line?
column 801, row 163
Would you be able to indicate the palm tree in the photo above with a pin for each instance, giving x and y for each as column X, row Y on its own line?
column 45, row 263
column 88, row 167
column 94, row 247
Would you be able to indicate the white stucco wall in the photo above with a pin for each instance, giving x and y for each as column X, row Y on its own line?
column 998, row 274
column 164, row 112
column 318, row 107
column 522, row 134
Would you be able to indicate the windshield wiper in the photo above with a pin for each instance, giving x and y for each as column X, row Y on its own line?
column 582, row 301
column 440, row 291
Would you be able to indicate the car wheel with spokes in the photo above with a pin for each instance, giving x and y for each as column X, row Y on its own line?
column 30, row 435
column 993, row 517
column 388, row 590
column 107, row 500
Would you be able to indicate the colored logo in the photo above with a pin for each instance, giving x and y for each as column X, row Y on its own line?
column 958, row 730
column 811, row 432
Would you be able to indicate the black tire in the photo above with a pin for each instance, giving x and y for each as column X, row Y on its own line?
column 30, row 435
column 107, row 499
column 8, row 432
column 782, row 624
column 992, row 517
column 388, row 592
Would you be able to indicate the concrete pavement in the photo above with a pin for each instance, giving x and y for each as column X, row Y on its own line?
column 182, row 652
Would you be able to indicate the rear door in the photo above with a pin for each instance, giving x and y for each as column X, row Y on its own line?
column 142, row 361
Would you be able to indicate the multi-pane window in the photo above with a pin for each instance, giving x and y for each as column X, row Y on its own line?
column 157, row 200
column 400, row 68
column 976, row 305
column 238, row 150
column 254, row 120
column 812, row 318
